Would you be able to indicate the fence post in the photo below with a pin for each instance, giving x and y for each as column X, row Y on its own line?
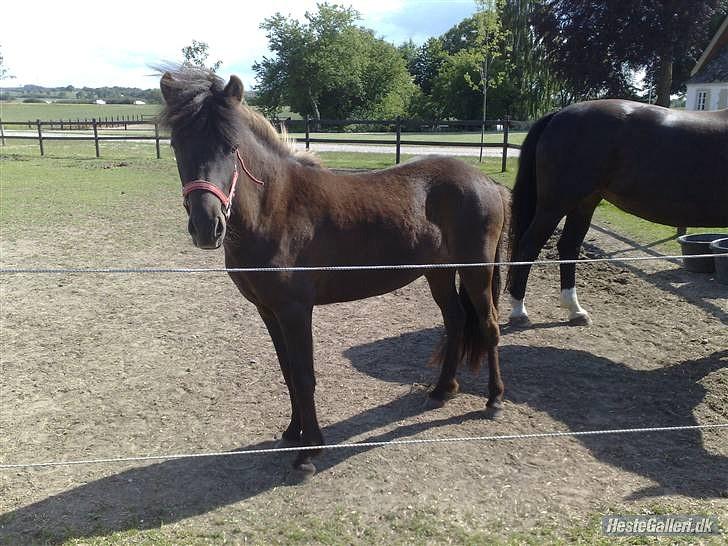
column 399, row 138
column 2, row 132
column 40, row 137
column 504, row 159
column 308, row 132
column 96, row 137
column 156, row 138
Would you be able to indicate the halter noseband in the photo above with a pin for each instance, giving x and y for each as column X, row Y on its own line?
column 204, row 185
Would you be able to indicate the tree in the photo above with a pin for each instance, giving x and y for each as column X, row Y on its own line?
column 596, row 46
column 329, row 67
column 197, row 53
column 451, row 70
column 530, row 87
column 427, row 63
column 4, row 75
column 457, row 88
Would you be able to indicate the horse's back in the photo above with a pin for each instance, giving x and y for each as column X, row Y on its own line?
column 664, row 165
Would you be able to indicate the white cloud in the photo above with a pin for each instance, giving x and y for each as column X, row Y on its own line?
column 86, row 43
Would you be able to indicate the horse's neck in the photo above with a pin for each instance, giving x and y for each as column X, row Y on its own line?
column 261, row 183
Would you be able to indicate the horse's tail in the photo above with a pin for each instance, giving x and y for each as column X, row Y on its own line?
column 523, row 200
column 475, row 340
column 473, row 344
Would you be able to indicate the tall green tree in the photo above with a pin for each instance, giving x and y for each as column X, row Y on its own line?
column 530, row 88
column 328, row 67
column 427, row 63
column 451, row 70
column 197, row 53
column 596, row 46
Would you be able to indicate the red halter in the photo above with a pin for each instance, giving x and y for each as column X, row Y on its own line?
column 226, row 200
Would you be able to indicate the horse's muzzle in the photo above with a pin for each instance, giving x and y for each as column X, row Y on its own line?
column 208, row 234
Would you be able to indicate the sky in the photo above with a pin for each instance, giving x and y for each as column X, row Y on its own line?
column 101, row 43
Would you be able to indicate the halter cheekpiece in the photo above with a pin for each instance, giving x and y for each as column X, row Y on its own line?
column 205, row 185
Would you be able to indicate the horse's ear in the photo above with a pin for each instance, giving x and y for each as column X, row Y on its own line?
column 166, row 84
column 234, row 89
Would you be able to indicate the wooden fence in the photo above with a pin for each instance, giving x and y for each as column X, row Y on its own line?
column 397, row 127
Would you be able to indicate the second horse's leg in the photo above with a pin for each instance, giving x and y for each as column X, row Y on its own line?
column 538, row 232
column 575, row 229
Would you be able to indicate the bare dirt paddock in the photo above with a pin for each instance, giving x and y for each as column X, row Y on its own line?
column 97, row 366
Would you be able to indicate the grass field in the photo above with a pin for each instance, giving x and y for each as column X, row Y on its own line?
column 68, row 162
column 15, row 111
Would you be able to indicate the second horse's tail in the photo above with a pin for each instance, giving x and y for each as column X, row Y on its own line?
column 523, row 199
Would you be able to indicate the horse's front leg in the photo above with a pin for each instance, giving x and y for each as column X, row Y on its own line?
column 295, row 324
column 292, row 434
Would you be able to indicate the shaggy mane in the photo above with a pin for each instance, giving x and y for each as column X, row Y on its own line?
column 201, row 106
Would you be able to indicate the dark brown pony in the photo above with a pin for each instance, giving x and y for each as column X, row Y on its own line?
column 666, row 166
column 245, row 189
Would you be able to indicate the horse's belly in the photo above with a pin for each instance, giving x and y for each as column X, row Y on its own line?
column 341, row 286
column 671, row 211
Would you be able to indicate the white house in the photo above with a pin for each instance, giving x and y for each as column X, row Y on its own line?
column 99, row 101
column 708, row 84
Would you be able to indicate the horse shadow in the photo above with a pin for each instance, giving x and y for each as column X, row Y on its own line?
column 148, row 496
column 696, row 288
column 589, row 392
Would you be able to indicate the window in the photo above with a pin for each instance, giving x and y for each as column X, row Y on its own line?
column 723, row 98
column 701, row 100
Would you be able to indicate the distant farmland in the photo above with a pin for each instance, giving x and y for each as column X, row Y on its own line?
column 18, row 111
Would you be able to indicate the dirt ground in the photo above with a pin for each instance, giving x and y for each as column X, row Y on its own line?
column 97, row 366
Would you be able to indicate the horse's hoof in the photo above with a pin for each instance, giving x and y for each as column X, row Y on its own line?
column 580, row 319
column 519, row 321
column 494, row 410
column 431, row 403
column 287, row 443
column 302, row 472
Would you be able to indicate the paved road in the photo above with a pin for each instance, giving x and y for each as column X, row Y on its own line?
column 410, row 150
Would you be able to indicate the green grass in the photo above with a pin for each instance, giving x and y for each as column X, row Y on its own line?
column 15, row 111
column 662, row 238
column 421, row 526
column 71, row 164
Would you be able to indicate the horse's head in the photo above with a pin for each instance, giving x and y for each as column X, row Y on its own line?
column 207, row 158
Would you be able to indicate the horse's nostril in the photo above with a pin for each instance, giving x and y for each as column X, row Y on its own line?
column 219, row 228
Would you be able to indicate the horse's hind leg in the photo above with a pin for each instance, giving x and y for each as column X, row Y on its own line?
column 292, row 434
column 477, row 284
column 575, row 229
column 542, row 226
column 444, row 292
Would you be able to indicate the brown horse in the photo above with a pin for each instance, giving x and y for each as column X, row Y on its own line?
column 247, row 190
column 667, row 166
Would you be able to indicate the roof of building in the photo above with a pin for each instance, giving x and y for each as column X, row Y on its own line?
column 715, row 48
column 715, row 71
